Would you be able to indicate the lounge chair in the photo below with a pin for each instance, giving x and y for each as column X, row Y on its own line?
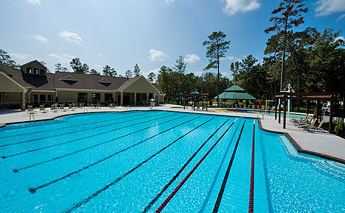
column 31, row 109
column 308, row 126
column 42, row 109
column 319, row 127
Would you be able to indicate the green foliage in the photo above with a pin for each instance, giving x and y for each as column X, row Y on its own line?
column 249, row 75
column 78, row 67
column 60, row 68
column 338, row 127
column 151, row 77
column 128, row 74
column 216, row 48
column 5, row 58
column 94, row 72
column 108, row 71
column 136, row 71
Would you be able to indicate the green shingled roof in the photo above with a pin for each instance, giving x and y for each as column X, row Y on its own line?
column 235, row 93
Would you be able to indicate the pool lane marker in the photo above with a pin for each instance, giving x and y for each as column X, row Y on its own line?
column 63, row 127
column 221, row 191
column 90, row 147
column 147, row 208
column 72, row 132
column 34, row 189
column 78, row 139
column 251, row 190
column 160, row 208
column 77, row 205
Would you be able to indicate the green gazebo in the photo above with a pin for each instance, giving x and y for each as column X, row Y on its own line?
column 235, row 93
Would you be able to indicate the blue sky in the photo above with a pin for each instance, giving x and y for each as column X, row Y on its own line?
column 150, row 33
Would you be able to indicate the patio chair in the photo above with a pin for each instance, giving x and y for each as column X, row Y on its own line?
column 307, row 125
column 42, row 109
column 319, row 127
column 31, row 109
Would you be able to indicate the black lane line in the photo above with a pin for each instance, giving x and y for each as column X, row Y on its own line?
column 147, row 208
column 72, row 132
column 90, row 147
column 54, row 129
column 78, row 139
column 34, row 189
column 77, row 205
column 221, row 191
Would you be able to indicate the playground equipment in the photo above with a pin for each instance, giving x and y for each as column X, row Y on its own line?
column 288, row 89
column 268, row 105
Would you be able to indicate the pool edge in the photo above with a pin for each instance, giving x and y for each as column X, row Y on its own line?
column 299, row 148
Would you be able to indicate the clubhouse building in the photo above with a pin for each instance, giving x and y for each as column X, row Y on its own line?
column 32, row 85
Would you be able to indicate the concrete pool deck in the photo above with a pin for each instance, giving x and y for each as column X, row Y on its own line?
column 328, row 145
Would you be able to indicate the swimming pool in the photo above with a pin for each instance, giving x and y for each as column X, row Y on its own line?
column 133, row 161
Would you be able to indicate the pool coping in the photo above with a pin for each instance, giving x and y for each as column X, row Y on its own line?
column 287, row 135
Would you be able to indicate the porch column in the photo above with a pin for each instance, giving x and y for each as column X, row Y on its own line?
column 121, row 101
column 147, row 97
column 330, row 117
column 23, row 105
column 284, row 109
column 135, row 99
column 275, row 109
column 279, row 107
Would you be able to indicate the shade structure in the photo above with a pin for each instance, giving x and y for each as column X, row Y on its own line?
column 235, row 93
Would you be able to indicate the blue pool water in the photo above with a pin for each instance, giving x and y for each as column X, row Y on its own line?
column 132, row 161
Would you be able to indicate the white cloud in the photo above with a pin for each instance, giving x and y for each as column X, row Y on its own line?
column 71, row 37
column 234, row 6
column 157, row 55
column 191, row 58
column 169, row 1
column 326, row 7
column 198, row 73
column 233, row 58
column 225, row 74
column 340, row 37
column 41, row 38
column 64, row 58
column 18, row 56
column 341, row 17
column 34, row 2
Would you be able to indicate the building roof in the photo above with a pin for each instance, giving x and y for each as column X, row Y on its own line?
column 68, row 80
column 236, row 96
column 235, row 93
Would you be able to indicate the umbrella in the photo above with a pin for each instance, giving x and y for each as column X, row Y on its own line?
column 195, row 93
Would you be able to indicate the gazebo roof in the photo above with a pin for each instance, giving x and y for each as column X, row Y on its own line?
column 235, row 93
column 235, row 88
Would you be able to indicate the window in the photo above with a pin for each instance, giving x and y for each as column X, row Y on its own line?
column 82, row 98
column 42, row 71
column 42, row 99
column 35, row 71
column 96, row 97
column 109, row 98
column 50, row 99
column 29, row 70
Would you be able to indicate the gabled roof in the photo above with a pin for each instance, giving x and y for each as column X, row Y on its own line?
column 32, row 62
column 68, row 78
column 235, row 93
column 104, row 81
